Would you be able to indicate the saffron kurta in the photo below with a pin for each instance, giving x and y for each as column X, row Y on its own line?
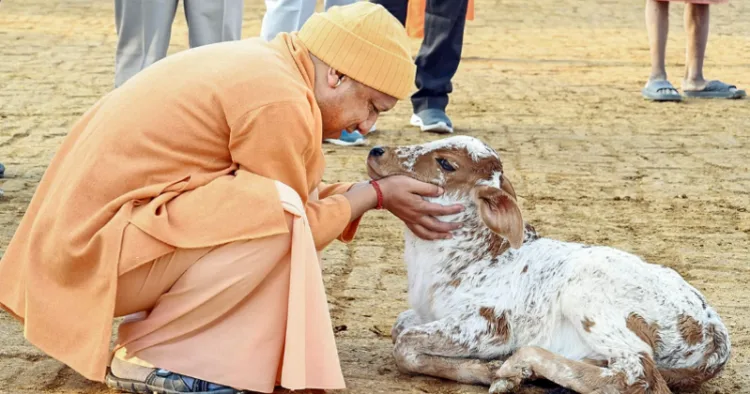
column 202, row 323
column 155, row 153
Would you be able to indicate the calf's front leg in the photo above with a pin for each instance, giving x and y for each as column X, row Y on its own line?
column 405, row 319
column 448, row 349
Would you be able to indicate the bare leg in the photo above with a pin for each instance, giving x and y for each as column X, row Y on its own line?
column 658, row 88
column 657, row 23
column 435, row 349
column 695, row 84
column 696, row 26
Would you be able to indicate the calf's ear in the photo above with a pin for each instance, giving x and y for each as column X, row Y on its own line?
column 508, row 187
column 499, row 212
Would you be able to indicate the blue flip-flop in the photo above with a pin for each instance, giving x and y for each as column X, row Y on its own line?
column 355, row 138
column 660, row 91
column 717, row 89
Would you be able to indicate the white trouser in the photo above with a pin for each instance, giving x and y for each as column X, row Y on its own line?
column 289, row 15
column 144, row 28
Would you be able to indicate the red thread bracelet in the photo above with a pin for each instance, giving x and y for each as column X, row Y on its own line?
column 379, row 192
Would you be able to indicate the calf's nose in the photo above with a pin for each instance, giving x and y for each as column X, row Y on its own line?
column 377, row 151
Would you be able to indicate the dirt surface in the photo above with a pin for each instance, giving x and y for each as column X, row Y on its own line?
column 553, row 85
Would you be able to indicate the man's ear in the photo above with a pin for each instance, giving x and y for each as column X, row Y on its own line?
column 499, row 211
column 508, row 187
column 333, row 77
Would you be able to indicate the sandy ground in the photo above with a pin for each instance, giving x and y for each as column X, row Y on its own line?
column 553, row 85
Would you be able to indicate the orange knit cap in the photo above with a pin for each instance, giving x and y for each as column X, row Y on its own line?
column 365, row 42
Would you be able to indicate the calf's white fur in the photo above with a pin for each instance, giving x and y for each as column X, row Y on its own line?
column 497, row 304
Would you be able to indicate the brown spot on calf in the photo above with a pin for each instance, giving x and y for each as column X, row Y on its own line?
column 651, row 382
column 467, row 173
column 497, row 245
column 648, row 333
column 691, row 378
column 587, row 324
column 497, row 326
column 525, row 269
column 690, row 329
column 454, row 282
column 474, row 172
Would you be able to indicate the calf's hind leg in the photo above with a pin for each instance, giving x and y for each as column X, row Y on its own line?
column 631, row 368
column 447, row 349
column 533, row 362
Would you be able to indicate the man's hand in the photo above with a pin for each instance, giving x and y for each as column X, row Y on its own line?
column 403, row 197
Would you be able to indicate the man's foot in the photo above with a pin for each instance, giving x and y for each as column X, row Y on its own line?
column 432, row 119
column 660, row 90
column 712, row 89
column 348, row 139
column 2, row 170
column 131, row 378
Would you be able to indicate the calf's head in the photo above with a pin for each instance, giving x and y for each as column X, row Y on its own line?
column 467, row 169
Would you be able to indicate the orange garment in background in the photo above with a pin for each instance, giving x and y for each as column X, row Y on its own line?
column 189, row 152
column 698, row 1
column 415, row 17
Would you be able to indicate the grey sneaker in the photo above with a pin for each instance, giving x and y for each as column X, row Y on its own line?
column 433, row 120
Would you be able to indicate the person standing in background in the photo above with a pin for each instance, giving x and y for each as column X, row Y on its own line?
column 286, row 16
column 437, row 60
column 658, row 87
column 144, row 29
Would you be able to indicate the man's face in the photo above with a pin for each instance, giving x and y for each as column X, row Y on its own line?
column 349, row 105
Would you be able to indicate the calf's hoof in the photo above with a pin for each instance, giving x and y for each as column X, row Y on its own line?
column 500, row 386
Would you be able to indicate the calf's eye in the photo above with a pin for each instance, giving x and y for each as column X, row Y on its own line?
column 446, row 166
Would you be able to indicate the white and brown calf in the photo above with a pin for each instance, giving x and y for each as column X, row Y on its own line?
column 497, row 304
